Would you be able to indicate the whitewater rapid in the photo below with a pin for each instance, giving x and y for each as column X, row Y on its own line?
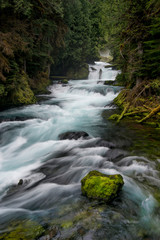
column 52, row 169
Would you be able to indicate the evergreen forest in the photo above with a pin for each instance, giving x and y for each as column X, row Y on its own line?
column 42, row 38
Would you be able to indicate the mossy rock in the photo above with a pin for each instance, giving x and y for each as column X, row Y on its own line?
column 22, row 93
column 67, row 224
column 40, row 83
column 96, row 185
column 24, row 230
column 64, row 81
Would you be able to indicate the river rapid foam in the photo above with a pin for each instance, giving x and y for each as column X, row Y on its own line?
column 52, row 169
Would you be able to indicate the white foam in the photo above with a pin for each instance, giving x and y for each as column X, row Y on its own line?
column 11, row 177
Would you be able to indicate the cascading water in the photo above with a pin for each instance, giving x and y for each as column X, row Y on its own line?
column 51, row 169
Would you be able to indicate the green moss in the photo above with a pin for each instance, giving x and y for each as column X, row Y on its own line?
column 16, row 91
column 151, row 123
column 40, row 83
column 2, row 90
column 157, row 195
column 120, row 100
column 26, row 230
column 67, row 224
column 100, row 186
column 121, row 79
column 114, row 117
column 22, row 94
column 155, row 85
column 64, row 81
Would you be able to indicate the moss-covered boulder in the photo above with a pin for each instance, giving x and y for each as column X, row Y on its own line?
column 40, row 83
column 24, row 230
column 64, row 81
column 100, row 186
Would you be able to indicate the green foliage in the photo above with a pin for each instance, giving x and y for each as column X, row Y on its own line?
column 30, row 31
column 155, row 86
column 63, row 35
column 2, row 90
column 152, row 50
column 78, row 46
column 121, row 79
column 19, row 91
column 139, row 41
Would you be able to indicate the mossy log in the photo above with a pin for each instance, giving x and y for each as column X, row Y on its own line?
column 124, row 111
column 135, row 113
column 153, row 112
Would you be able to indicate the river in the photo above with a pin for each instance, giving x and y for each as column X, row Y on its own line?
column 52, row 169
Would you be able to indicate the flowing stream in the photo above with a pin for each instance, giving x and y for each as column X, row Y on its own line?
column 52, row 169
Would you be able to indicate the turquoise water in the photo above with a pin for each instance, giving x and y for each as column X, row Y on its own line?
column 51, row 169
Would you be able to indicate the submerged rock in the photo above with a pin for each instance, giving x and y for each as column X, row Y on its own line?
column 73, row 135
column 100, row 186
column 93, row 69
column 110, row 82
column 20, row 182
column 64, row 81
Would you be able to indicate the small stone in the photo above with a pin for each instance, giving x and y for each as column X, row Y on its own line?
column 20, row 182
column 73, row 135
column 81, row 231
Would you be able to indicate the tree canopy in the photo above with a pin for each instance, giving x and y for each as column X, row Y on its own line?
column 39, row 35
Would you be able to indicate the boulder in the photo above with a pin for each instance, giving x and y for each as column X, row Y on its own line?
column 109, row 82
column 96, row 185
column 73, row 135
column 64, row 81
column 93, row 69
column 20, row 182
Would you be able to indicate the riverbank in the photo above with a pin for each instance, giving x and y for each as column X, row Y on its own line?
column 140, row 104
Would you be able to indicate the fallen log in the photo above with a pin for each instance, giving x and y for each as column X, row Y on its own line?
column 134, row 113
column 124, row 111
column 153, row 112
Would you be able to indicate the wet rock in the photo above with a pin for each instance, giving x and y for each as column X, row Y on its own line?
column 65, row 81
column 73, row 135
column 67, row 224
column 108, row 66
column 81, row 231
column 23, row 230
column 110, row 82
column 100, row 82
column 20, row 182
column 103, row 143
column 96, row 185
column 116, row 154
column 51, row 234
column 93, row 69
column 100, row 73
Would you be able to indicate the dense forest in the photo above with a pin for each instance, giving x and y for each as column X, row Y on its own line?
column 37, row 34
column 41, row 38
column 138, row 59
